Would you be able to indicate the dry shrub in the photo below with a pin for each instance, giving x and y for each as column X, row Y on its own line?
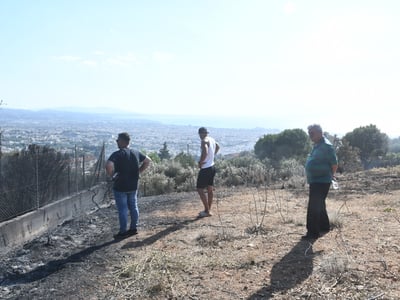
column 257, row 213
column 153, row 274
column 336, row 220
column 334, row 266
column 207, row 240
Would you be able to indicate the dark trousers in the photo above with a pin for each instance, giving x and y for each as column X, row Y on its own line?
column 317, row 217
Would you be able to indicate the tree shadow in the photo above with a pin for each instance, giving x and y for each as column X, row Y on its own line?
column 152, row 239
column 295, row 267
column 51, row 267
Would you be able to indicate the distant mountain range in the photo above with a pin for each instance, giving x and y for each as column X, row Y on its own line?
column 64, row 115
column 106, row 114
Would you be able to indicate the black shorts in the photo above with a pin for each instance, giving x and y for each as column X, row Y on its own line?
column 205, row 177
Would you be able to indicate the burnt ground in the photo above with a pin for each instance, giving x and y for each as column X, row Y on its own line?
column 249, row 249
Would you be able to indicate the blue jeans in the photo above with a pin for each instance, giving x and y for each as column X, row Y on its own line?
column 126, row 201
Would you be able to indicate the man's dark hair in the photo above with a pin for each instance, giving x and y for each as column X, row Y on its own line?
column 124, row 136
column 316, row 127
column 203, row 130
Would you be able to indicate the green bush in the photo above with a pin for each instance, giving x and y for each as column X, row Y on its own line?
column 186, row 160
column 242, row 170
column 156, row 184
column 166, row 176
column 172, row 169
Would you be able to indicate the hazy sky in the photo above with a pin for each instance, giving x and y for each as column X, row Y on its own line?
column 289, row 63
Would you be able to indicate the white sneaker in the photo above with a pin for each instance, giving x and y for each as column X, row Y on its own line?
column 203, row 214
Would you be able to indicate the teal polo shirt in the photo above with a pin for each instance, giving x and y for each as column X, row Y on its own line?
column 320, row 161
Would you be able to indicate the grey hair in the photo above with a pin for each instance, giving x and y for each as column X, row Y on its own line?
column 315, row 127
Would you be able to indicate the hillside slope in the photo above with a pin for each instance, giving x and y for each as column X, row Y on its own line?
column 249, row 249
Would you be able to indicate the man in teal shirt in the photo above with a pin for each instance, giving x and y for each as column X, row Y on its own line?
column 320, row 167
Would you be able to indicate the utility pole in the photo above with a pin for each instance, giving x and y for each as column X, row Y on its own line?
column 76, row 168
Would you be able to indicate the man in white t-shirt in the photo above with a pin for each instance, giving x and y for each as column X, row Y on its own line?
column 205, row 178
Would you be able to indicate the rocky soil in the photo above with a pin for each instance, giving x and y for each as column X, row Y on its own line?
column 249, row 249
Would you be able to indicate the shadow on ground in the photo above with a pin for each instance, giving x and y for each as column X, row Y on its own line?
column 51, row 267
column 152, row 239
column 295, row 267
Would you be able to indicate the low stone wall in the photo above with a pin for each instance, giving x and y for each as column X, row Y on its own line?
column 25, row 228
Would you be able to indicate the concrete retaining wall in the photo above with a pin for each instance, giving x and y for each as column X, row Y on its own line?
column 25, row 228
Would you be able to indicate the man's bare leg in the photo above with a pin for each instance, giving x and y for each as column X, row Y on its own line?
column 203, row 198
column 210, row 192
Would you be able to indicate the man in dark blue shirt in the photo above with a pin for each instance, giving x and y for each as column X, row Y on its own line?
column 124, row 166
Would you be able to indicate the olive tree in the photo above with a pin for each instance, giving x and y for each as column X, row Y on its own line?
column 290, row 143
column 371, row 142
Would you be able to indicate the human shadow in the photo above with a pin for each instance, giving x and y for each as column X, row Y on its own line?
column 51, row 266
column 152, row 239
column 295, row 267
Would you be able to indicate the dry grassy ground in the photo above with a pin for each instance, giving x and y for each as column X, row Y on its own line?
column 249, row 249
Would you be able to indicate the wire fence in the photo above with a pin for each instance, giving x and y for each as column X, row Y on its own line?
column 38, row 176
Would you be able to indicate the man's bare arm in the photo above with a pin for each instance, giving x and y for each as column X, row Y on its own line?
column 145, row 164
column 110, row 168
column 216, row 148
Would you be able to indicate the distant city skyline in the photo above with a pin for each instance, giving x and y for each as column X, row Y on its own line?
column 65, row 131
column 272, row 64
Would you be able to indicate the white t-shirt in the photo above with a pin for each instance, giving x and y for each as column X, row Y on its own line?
column 209, row 160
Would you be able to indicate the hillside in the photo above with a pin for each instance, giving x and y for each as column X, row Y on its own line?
column 249, row 249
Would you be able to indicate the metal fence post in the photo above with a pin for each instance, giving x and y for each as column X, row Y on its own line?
column 37, row 176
